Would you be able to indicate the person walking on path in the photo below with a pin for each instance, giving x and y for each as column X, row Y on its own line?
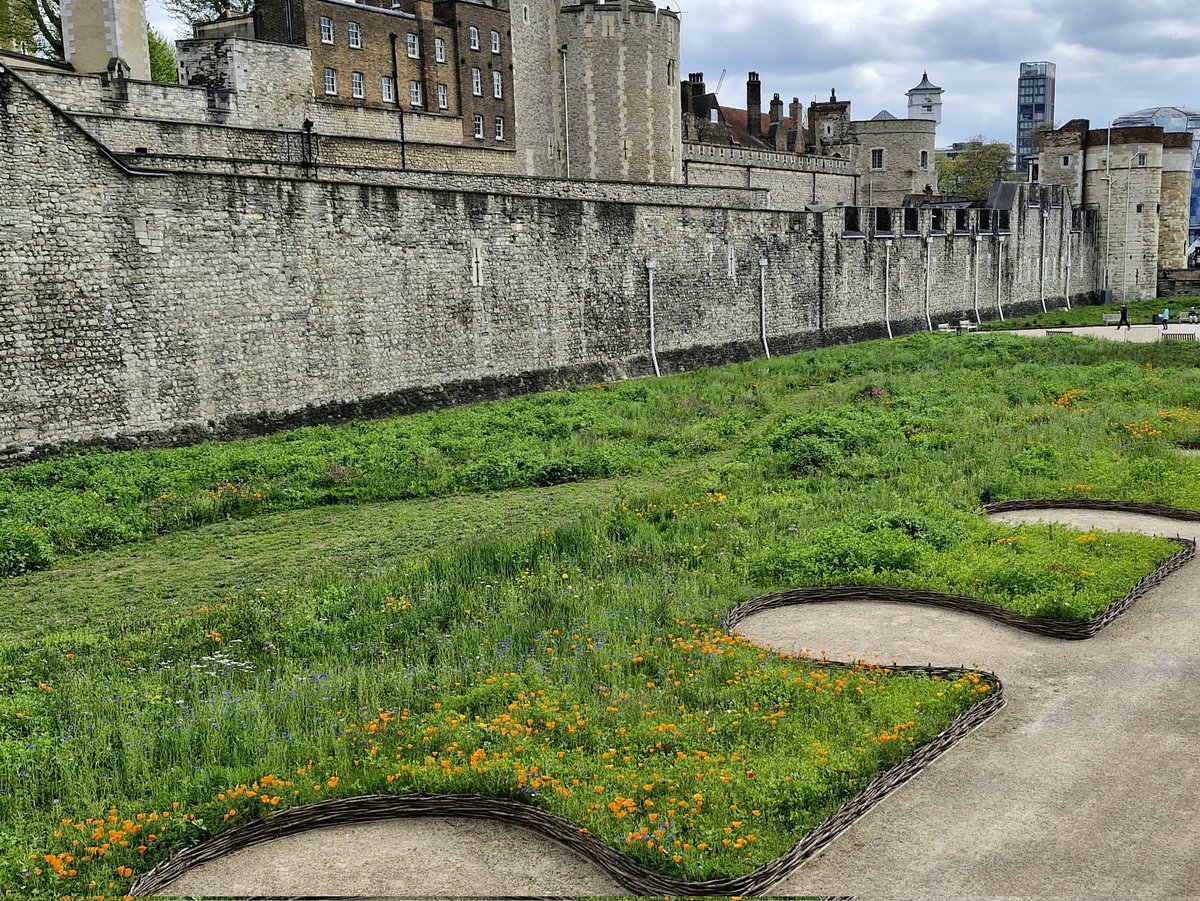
column 1124, row 317
column 1166, row 317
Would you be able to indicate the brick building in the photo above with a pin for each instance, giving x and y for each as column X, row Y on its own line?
column 444, row 58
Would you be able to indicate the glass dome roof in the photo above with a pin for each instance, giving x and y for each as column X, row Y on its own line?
column 1168, row 118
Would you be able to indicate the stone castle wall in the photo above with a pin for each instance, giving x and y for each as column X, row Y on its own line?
column 793, row 179
column 150, row 307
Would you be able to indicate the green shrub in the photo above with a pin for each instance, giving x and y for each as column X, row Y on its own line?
column 23, row 549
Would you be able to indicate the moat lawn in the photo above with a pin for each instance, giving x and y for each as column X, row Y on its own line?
column 1141, row 312
column 523, row 599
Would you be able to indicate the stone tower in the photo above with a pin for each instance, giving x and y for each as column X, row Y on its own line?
column 925, row 101
column 538, row 75
column 96, row 32
column 621, row 89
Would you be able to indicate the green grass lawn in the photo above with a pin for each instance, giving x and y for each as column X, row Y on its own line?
column 523, row 599
column 1141, row 312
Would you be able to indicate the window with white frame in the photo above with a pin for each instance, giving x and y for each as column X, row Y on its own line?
column 414, row 46
column 358, row 85
column 924, row 159
column 479, row 126
column 497, row 85
column 388, row 89
column 474, row 37
column 476, row 83
column 414, row 93
column 877, row 158
column 495, row 42
column 499, row 128
column 354, row 33
column 1141, row 159
column 443, row 93
column 331, row 82
column 326, row 30
column 439, row 50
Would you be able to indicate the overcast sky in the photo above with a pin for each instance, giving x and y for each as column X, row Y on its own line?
column 1113, row 56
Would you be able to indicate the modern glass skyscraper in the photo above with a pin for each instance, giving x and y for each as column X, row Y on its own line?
column 1035, row 105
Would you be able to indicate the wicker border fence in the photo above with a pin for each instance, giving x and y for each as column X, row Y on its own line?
column 633, row 875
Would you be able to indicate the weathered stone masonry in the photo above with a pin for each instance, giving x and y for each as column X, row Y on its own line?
column 157, row 306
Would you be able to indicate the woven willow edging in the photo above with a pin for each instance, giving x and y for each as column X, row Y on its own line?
column 629, row 873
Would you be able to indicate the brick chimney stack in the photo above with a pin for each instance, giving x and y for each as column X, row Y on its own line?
column 754, row 106
column 776, row 110
column 795, row 138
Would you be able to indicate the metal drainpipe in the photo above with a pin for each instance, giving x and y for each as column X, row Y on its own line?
column 1068, row 289
column 1042, row 263
column 399, row 107
column 1108, row 215
column 975, row 282
column 1126, row 255
column 999, row 268
column 651, row 265
column 567, row 117
column 762, row 303
column 928, row 250
column 887, row 287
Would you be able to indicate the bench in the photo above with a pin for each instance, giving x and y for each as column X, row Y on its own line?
column 945, row 327
column 1179, row 336
column 1111, row 318
column 1058, row 331
column 966, row 325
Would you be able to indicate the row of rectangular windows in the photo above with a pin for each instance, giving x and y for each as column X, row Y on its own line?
column 358, row 88
column 498, row 125
column 354, row 36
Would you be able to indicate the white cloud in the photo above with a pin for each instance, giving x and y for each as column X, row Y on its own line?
column 1113, row 56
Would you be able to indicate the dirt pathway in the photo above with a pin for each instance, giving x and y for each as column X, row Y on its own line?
column 1086, row 785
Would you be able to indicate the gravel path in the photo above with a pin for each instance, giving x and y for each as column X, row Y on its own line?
column 1087, row 785
column 1138, row 334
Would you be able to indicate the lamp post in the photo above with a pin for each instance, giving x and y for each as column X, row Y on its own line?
column 1108, row 215
column 1125, row 256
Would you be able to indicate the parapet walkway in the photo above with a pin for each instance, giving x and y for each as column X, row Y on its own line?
column 1085, row 785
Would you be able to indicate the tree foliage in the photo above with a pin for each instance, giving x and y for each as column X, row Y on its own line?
column 192, row 11
column 164, row 68
column 972, row 173
column 17, row 29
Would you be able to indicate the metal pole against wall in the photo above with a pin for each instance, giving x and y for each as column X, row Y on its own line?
column 1068, row 270
column 975, row 282
column 1125, row 256
column 566, row 113
column 887, row 287
column 928, row 251
column 762, row 303
column 1108, row 215
column 651, row 265
column 1042, row 262
column 999, row 269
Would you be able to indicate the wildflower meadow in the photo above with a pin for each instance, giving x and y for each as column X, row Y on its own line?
column 525, row 599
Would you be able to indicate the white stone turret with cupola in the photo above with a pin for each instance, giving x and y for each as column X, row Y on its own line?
column 925, row 101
